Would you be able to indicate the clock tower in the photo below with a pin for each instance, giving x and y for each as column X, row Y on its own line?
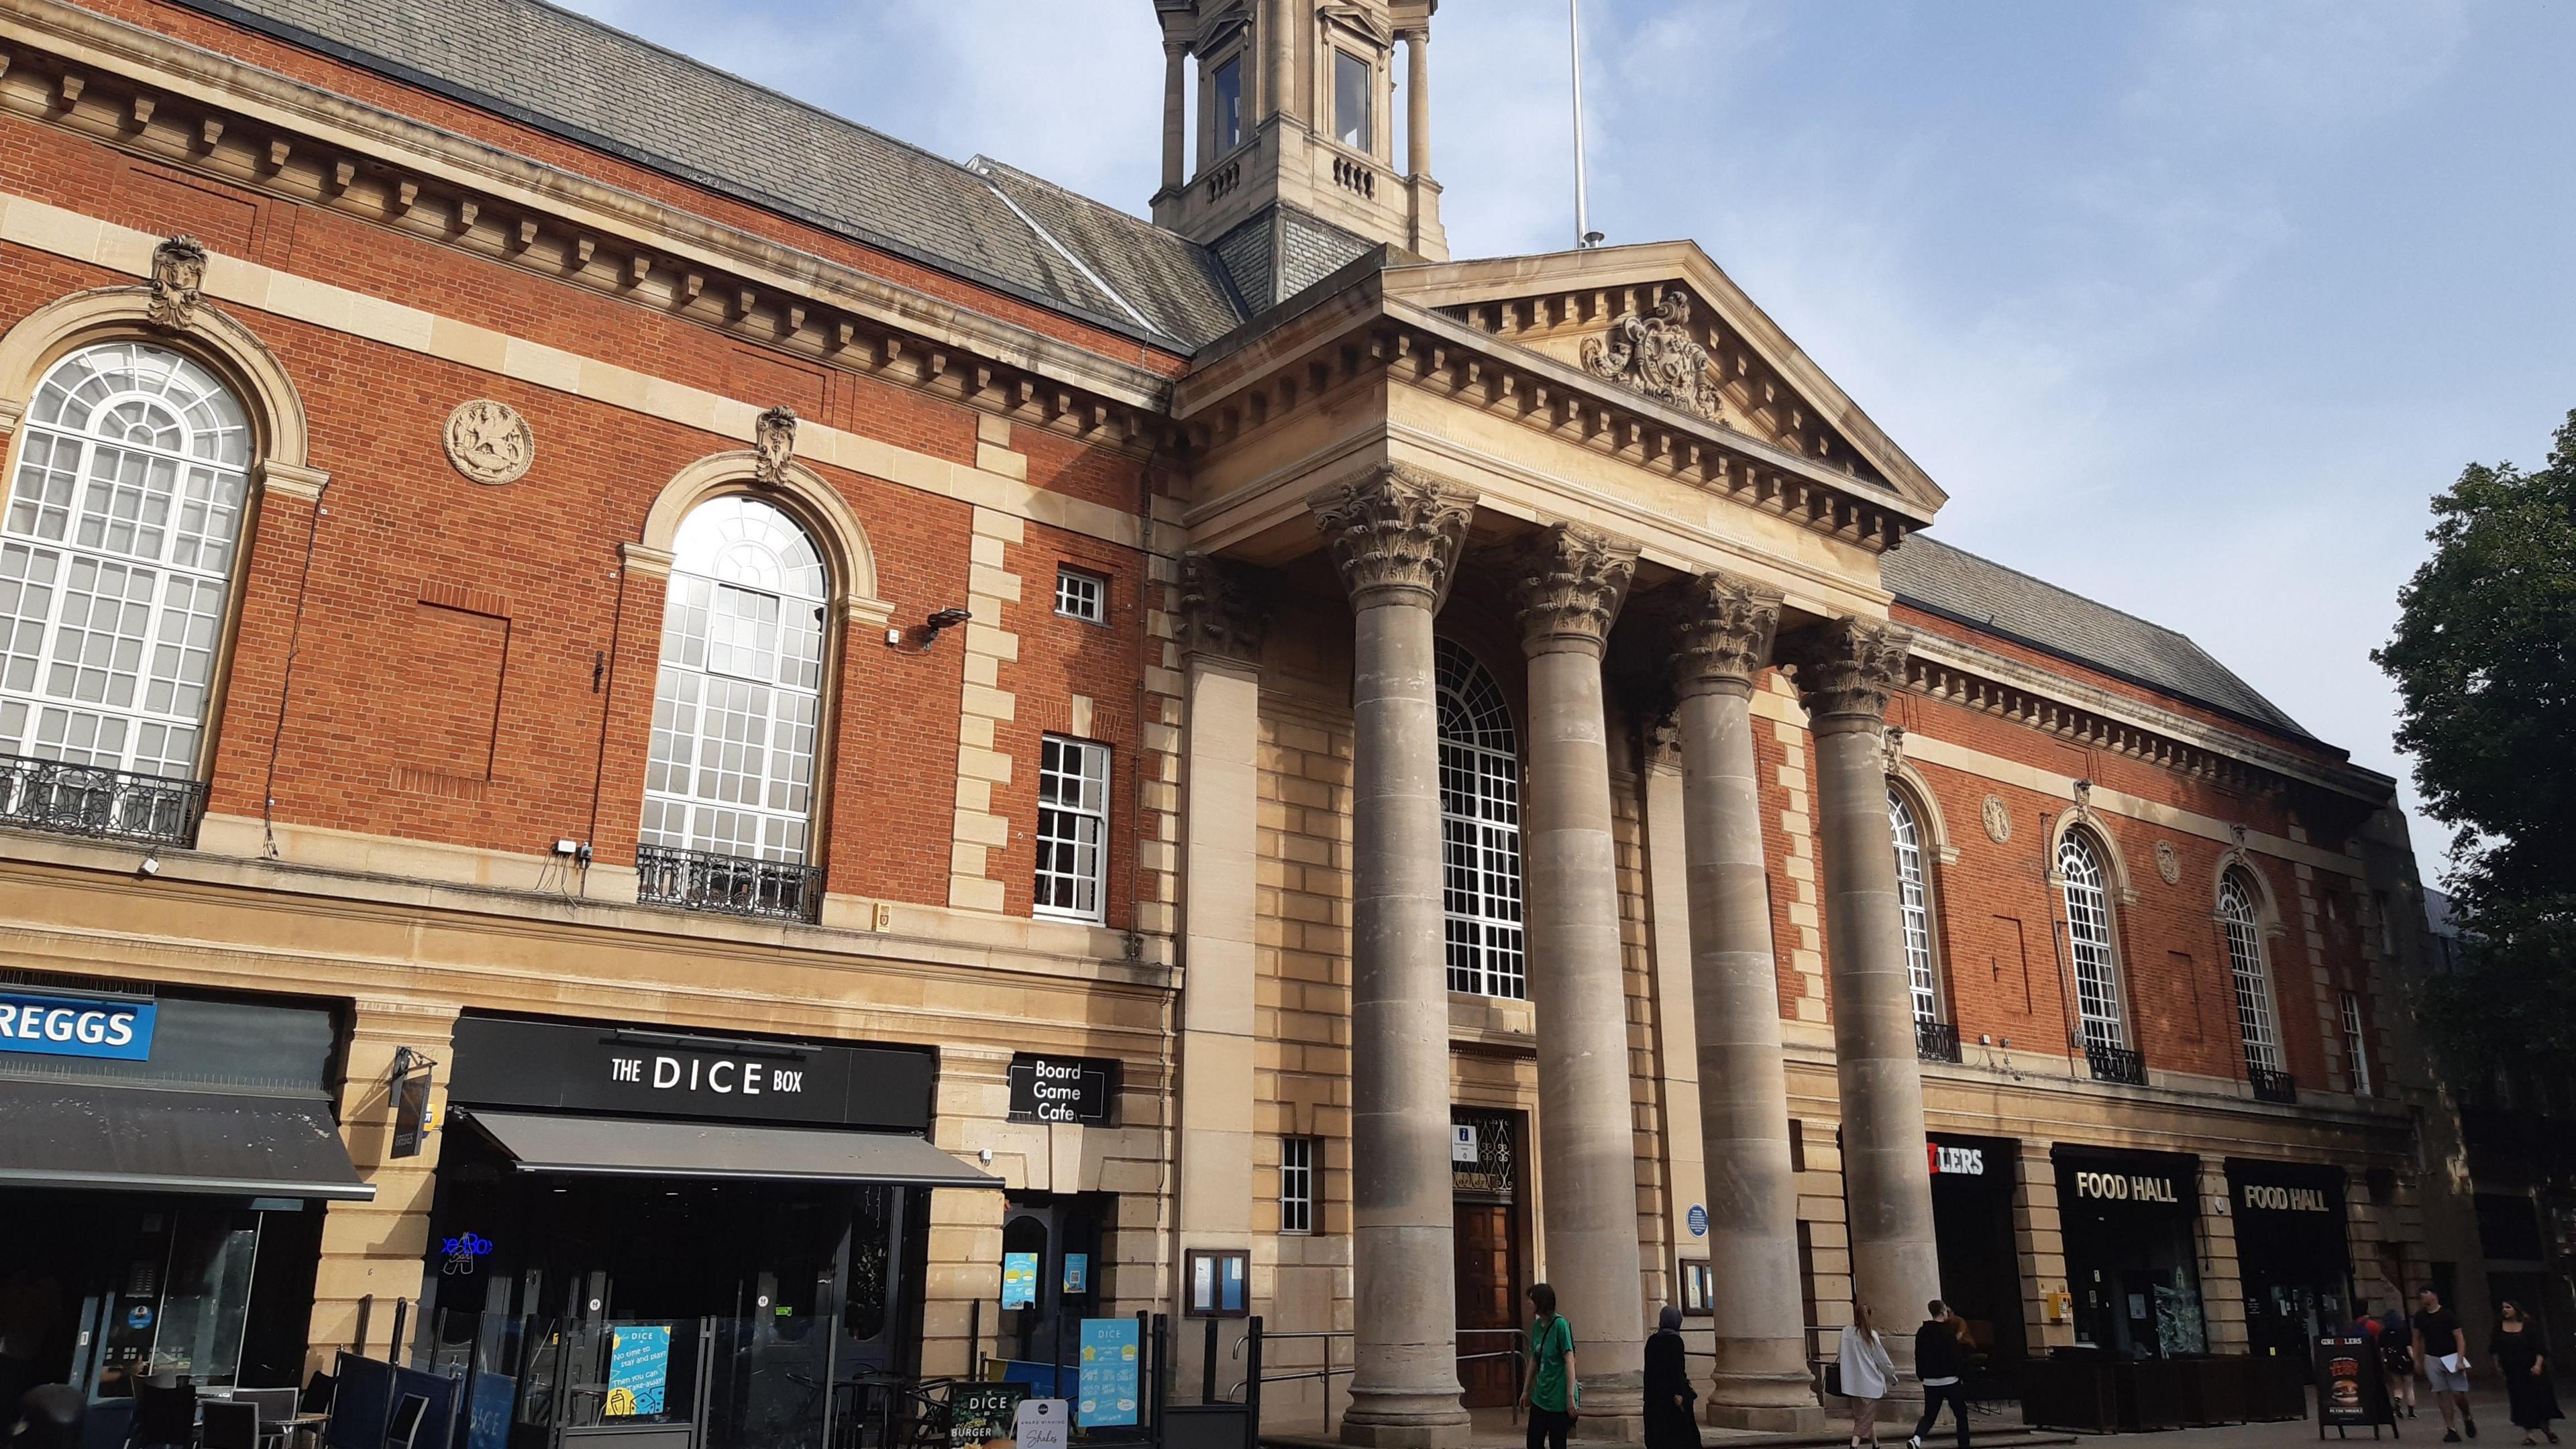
column 1287, row 165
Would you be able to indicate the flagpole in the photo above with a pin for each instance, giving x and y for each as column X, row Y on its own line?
column 1583, row 234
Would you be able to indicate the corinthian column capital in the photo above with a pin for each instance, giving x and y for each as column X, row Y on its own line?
column 1394, row 530
column 1570, row 583
column 1848, row 668
column 1725, row 635
column 1225, row 607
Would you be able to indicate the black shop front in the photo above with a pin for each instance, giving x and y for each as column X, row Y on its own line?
column 697, row 1241
column 1972, row 1220
column 2292, row 1253
column 2132, row 1267
column 165, row 1161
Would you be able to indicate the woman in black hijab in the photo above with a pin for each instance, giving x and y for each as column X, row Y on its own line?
column 1669, row 1421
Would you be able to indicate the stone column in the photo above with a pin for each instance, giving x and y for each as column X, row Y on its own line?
column 1846, row 670
column 1572, row 580
column 1394, row 535
column 1222, row 617
column 1417, row 101
column 1279, row 47
column 376, row 1249
column 1760, row 1380
column 1176, row 56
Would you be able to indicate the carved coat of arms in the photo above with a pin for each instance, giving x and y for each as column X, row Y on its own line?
column 489, row 442
column 1655, row 353
column 178, row 280
column 773, row 441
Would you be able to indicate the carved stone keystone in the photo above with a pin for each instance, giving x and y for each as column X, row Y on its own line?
column 178, row 283
column 773, row 438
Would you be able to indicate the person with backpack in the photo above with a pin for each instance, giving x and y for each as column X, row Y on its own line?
column 1941, row 1361
column 2397, row 1358
column 1552, row 1394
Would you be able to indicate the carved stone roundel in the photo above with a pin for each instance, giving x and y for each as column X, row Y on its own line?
column 489, row 442
column 2169, row 862
column 1998, row 821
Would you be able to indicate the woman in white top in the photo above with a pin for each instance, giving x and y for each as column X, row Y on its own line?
column 1866, row 1373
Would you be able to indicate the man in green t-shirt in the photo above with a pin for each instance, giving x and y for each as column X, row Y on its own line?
column 1553, row 1393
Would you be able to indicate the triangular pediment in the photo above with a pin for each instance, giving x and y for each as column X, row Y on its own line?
column 1663, row 321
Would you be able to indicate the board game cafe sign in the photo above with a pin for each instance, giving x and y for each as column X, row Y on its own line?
column 2152, row 1187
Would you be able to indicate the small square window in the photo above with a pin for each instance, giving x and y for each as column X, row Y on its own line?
column 1083, row 596
column 1297, row 1184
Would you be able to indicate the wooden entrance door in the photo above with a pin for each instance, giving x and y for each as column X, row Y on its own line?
column 1489, row 1292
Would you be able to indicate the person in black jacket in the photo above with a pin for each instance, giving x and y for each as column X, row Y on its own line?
column 1941, row 1361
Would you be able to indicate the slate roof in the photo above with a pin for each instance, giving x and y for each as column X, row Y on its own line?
column 1983, row 595
column 587, row 82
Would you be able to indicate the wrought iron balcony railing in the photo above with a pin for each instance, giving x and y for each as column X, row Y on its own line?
column 92, row 800
column 2272, row 1086
column 736, row 885
column 2115, row 1064
column 1936, row 1041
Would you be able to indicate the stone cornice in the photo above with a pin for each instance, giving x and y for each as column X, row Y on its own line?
column 1393, row 530
column 1724, row 635
column 200, row 112
column 1567, row 585
column 1972, row 678
column 1363, row 336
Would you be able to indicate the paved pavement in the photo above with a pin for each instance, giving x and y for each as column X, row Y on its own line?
column 1494, row 1429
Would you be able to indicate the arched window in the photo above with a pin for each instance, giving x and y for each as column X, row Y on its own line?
column 737, row 707
column 1480, row 829
column 2253, row 979
column 116, row 559
column 1914, row 897
column 2088, row 933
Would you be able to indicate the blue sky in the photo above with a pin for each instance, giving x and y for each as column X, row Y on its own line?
column 2190, row 306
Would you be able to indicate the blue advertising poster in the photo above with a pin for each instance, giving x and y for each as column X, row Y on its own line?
column 1109, row 1373
column 1077, row 1273
column 1019, row 1279
column 639, row 1360
column 76, row 1026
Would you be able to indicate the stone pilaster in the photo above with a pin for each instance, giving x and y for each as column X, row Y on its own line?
column 1221, row 619
column 1846, row 671
column 375, row 1250
column 1571, row 582
column 1394, row 535
column 1760, row 1379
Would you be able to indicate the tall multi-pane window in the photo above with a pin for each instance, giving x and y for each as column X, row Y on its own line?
column 116, row 558
column 1914, row 897
column 2253, row 982
column 740, row 698
column 1225, row 102
column 2088, row 933
column 1073, row 828
column 1480, row 829
column 1351, row 110
column 2356, row 1044
column 1297, row 1184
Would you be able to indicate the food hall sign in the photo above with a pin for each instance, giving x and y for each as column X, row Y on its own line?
column 2263, row 1197
column 1062, row 1089
column 2148, row 1187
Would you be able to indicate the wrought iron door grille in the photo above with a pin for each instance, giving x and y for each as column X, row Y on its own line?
column 2115, row 1064
column 92, row 800
column 736, row 885
column 1936, row 1041
column 2272, row 1086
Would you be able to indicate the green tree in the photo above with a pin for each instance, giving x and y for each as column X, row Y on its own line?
column 2484, row 657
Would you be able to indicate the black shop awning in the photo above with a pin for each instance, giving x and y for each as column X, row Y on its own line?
column 632, row 1147
column 145, row 1139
